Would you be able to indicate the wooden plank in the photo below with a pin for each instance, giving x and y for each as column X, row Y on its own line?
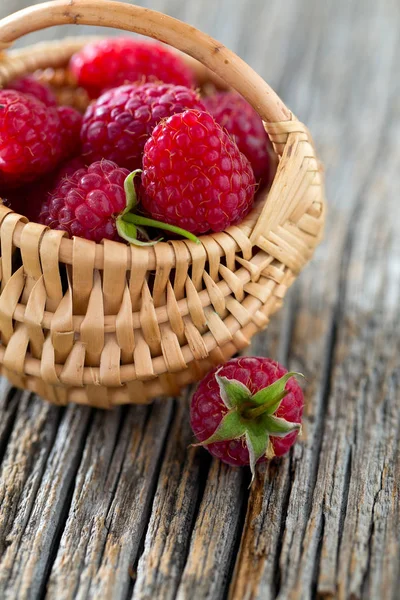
column 35, row 477
column 111, row 502
column 181, row 481
column 304, row 534
column 215, row 534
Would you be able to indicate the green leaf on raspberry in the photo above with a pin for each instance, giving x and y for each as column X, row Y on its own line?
column 126, row 227
column 127, row 221
column 271, row 396
column 279, row 427
column 233, row 392
column 257, row 440
column 130, row 192
column 128, row 231
column 231, row 427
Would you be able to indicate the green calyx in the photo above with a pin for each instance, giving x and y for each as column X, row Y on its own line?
column 253, row 416
column 129, row 224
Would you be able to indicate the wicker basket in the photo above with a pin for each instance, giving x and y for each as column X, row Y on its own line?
column 134, row 323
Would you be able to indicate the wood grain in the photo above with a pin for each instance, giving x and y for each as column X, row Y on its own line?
column 36, row 475
column 180, row 485
column 111, row 502
column 116, row 505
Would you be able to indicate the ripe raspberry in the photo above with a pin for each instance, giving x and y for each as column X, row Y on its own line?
column 30, row 85
column 112, row 62
column 85, row 203
column 244, row 124
column 30, row 138
column 71, row 123
column 118, row 124
column 247, row 411
column 194, row 175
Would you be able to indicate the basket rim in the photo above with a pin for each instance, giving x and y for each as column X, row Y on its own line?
column 66, row 250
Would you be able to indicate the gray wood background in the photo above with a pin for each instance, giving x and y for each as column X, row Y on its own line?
column 115, row 505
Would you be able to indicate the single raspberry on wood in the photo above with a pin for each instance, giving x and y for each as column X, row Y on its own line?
column 31, row 141
column 30, row 85
column 247, row 411
column 245, row 125
column 117, row 125
column 112, row 62
column 194, row 175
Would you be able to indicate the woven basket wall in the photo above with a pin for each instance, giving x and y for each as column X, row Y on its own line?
column 107, row 324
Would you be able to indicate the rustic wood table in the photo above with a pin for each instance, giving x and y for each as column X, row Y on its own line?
column 116, row 505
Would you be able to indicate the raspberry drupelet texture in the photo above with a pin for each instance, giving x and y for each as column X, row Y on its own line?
column 208, row 408
column 245, row 125
column 86, row 202
column 194, row 175
column 31, row 139
column 30, row 85
column 112, row 62
column 118, row 124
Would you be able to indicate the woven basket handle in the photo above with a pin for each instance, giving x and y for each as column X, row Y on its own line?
column 234, row 71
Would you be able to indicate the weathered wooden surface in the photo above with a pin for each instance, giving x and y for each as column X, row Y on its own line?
column 115, row 505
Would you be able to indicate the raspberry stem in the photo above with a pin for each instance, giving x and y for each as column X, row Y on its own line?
column 128, row 220
column 257, row 411
column 139, row 220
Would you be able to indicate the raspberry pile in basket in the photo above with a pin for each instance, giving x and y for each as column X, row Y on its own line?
column 149, row 154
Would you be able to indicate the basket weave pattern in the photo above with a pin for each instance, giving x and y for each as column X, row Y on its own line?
column 108, row 324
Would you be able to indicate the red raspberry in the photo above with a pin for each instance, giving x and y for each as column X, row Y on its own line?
column 241, row 417
column 118, row 124
column 245, row 125
column 112, row 62
column 30, row 138
column 30, row 85
column 71, row 123
column 71, row 119
column 194, row 175
column 85, row 203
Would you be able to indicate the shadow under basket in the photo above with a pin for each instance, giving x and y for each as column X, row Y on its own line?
column 109, row 324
